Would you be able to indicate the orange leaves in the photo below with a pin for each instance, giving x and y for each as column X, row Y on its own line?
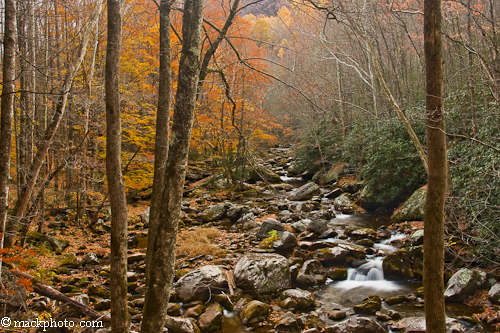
column 25, row 283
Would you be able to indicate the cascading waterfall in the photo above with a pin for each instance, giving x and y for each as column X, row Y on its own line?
column 369, row 271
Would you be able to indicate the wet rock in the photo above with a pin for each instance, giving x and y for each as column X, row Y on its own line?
column 310, row 320
column 338, row 274
column 321, row 245
column 369, row 307
column 173, row 309
column 286, row 242
column 214, row 213
column 365, row 242
column 303, row 298
column 340, row 254
column 254, row 311
column 262, row 274
column 337, row 314
column 287, row 324
column 334, row 194
column 181, row 325
column 356, row 325
column 195, row 311
column 211, row 319
column 317, row 226
column 397, row 266
column 312, row 273
column 463, row 284
column 345, row 205
column 364, row 233
column 199, row 284
column 305, row 192
column 397, row 300
column 413, row 208
column 268, row 225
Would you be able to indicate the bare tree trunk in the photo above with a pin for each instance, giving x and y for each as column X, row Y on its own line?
column 437, row 171
column 24, row 196
column 120, row 319
column 162, row 127
column 163, row 254
column 7, row 109
column 471, row 74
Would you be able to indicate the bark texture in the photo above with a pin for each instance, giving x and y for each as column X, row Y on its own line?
column 7, row 107
column 162, row 127
column 437, row 172
column 120, row 319
column 163, row 255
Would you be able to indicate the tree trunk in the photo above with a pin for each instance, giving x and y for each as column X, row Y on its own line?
column 7, row 109
column 437, row 171
column 120, row 319
column 162, row 127
column 24, row 195
column 163, row 254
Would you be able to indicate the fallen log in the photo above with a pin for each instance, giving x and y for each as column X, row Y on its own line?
column 51, row 293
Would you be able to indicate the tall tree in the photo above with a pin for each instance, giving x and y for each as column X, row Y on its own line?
column 437, row 171
column 7, row 108
column 120, row 320
column 163, row 254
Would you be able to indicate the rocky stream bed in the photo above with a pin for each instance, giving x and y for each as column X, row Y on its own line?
column 295, row 257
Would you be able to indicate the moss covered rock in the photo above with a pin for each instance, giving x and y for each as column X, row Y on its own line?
column 413, row 208
column 397, row 266
column 254, row 311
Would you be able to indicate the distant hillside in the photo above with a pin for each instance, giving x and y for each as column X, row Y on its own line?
column 265, row 7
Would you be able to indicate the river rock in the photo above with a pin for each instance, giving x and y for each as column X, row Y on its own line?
column 363, row 233
column 214, row 213
column 254, row 311
column 369, row 307
column 397, row 266
column 247, row 222
column 312, row 273
column 340, row 254
column 416, row 239
column 262, row 274
column 303, row 298
column 317, row 226
column 305, row 192
column 287, row 324
column 181, row 325
column 356, row 325
column 334, row 193
column 211, row 319
column 494, row 294
column 463, row 284
column 199, row 284
column 268, row 225
column 345, row 205
column 413, row 208
column 417, row 325
column 263, row 173
column 286, row 242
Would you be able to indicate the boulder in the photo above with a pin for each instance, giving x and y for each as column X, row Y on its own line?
column 254, row 311
column 286, row 242
column 214, row 213
column 369, row 307
column 263, row 173
column 211, row 319
column 416, row 239
column 201, row 283
column 303, row 298
column 305, row 192
column 145, row 215
column 334, row 193
column 287, row 324
column 494, row 294
column 317, row 226
column 364, row 233
column 181, row 325
column 356, row 325
column 234, row 212
column 340, row 254
column 413, row 208
column 268, row 225
column 262, row 274
column 312, row 273
column 333, row 175
column 397, row 266
column 345, row 205
column 417, row 325
column 463, row 284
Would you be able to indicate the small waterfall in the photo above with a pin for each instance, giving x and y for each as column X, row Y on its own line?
column 369, row 271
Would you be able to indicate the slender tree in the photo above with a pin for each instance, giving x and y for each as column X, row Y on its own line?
column 7, row 108
column 437, row 174
column 163, row 254
column 120, row 320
